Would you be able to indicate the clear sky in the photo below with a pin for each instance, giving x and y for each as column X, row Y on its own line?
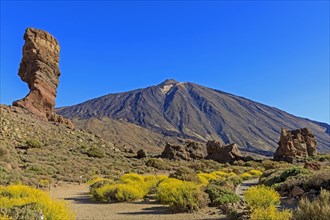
column 273, row 52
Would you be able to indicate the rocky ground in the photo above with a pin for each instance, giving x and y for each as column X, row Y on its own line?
column 32, row 149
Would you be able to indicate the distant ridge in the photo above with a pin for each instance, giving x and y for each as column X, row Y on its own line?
column 189, row 111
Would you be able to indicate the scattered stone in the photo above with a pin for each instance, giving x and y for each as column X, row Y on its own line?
column 295, row 144
column 191, row 150
column 223, row 153
column 297, row 191
column 141, row 154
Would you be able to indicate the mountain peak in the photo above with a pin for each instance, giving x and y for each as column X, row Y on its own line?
column 169, row 82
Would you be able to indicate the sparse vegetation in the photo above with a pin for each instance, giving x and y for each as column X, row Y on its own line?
column 33, row 143
column 95, row 152
column 318, row 209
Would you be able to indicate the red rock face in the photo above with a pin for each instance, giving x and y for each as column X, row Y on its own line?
column 295, row 144
column 39, row 69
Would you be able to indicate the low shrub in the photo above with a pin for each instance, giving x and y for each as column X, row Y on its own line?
column 33, row 143
column 95, row 152
column 119, row 192
column 205, row 178
column 220, row 195
column 152, row 182
column 158, row 164
column 27, row 201
column 261, row 197
column 3, row 152
column 245, row 176
column 185, row 174
column 181, row 196
column 294, row 171
column 270, row 213
column 255, row 172
column 318, row 209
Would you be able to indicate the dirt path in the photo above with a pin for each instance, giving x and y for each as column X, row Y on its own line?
column 79, row 201
column 240, row 189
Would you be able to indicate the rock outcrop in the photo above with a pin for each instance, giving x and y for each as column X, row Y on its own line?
column 141, row 154
column 295, row 144
column 223, row 153
column 39, row 69
column 191, row 150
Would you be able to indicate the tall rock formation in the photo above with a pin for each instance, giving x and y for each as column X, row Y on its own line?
column 39, row 69
column 295, row 144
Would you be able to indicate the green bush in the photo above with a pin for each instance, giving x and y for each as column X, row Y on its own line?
column 158, row 164
column 318, row 209
column 294, row 171
column 181, row 196
column 33, row 143
column 220, row 195
column 95, row 152
column 185, row 174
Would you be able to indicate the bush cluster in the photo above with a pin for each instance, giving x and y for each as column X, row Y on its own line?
column 129, row 187
column 24, row 202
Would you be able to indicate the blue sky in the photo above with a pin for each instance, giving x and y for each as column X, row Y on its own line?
column 273, row 52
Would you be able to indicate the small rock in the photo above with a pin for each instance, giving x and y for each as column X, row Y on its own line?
column 297, row 191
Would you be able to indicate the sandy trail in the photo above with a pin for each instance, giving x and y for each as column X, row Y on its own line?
column 241, row 188
column 79, row 202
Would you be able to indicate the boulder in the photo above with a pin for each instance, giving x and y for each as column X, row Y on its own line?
column 191, row 150
column 297, row 191
column 223, row 153
column 141, row 154
column 295, row 144
column 40, row 70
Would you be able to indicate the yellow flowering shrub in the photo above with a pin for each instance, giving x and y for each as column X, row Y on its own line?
column 152, row 181
column 255, row 172
column 220, row 173
column 119, row 192
column 261, row 197
column 5, row 217
column 131, row 177
column 20, row 195
column 205, row 178
column 270, row 213
column 44, row 183
column 245, row 176
column 181, row 195
column 96, row 179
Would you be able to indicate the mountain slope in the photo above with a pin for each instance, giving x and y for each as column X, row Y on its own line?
column 188, row 110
